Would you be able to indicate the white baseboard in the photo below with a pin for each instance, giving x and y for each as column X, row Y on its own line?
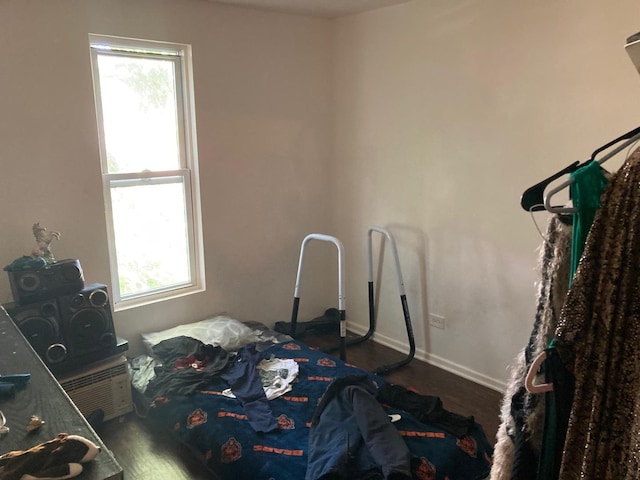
column 443, row 363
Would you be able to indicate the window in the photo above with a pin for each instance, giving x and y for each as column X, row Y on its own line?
column 146, row 128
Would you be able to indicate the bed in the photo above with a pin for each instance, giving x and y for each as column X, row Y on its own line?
column 221, row 428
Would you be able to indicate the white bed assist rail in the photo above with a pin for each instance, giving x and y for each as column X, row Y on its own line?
column 341, row 297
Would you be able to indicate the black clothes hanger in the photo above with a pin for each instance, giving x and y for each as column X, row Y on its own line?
column 532, row 199
column 629, row 134
column 629, row 138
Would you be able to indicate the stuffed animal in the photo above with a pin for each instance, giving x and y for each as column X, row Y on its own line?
column 56, row 459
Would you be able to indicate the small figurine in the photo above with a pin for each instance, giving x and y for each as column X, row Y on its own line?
column 43, row 242
column 35, row 423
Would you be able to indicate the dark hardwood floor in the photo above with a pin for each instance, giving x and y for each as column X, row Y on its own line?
column 144, row 452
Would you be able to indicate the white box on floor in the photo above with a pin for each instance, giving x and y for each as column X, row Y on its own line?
column 102, row 386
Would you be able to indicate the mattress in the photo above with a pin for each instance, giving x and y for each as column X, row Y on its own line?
column 216, row 426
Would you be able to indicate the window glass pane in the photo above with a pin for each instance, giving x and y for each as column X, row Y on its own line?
column 151, row 236
column 138, row 100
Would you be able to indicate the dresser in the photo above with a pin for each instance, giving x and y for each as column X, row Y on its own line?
column 43, row 396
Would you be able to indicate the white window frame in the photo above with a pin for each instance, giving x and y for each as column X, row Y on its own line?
column 180, row 54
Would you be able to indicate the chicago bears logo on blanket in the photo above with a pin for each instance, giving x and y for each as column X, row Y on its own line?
column 230, row 451
column 197, row 417
column 468, row 445
column 286, row 423
column 425, row 470
column 326, row 362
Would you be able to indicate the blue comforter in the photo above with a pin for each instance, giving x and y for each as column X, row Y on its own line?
column 216, row 427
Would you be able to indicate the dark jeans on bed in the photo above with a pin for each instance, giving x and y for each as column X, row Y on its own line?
column 244, row 380
column 352, row 437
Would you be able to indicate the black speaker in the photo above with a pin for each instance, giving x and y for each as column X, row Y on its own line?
column 50, row 281
column 40, row 324
column 86, row 320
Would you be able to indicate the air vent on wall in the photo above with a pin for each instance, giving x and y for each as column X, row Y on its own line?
column 104, row 387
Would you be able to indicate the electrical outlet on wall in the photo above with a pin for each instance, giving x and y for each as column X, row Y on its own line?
column 436, row 321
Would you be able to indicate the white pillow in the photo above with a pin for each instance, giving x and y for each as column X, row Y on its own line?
column 226, row 332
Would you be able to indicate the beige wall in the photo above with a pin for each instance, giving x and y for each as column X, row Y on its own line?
column 262, row 106
column 445, row 112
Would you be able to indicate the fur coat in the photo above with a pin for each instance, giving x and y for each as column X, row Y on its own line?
column 522, row 414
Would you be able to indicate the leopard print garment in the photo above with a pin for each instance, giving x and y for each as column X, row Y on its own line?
column 600, row 328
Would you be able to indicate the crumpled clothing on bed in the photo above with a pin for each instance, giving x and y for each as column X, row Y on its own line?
column 352, row 438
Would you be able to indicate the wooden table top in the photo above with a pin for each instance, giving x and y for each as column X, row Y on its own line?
column 43, row 396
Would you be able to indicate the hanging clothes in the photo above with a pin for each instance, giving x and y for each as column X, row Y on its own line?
column 557, row 406
column 588, row 184
column 598, row 340
column 519, row 439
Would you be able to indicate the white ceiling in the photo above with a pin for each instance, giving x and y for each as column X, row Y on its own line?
column 319, row 8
